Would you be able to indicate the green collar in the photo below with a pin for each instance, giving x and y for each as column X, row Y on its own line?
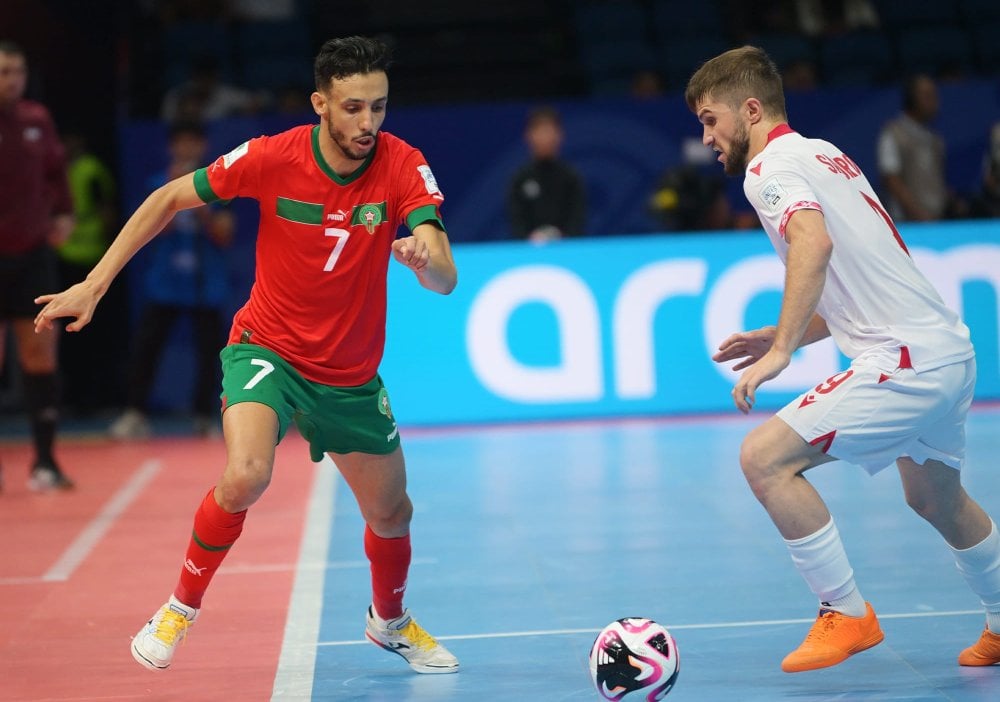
column 325, row 167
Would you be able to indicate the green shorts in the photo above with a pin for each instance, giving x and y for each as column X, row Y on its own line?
column 335, row 419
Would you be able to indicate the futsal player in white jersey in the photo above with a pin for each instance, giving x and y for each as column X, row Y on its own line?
column 907, row 392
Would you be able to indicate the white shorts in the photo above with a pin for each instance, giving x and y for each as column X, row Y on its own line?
column 870, row 415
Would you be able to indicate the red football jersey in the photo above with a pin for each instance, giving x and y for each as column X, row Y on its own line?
column 323, row 246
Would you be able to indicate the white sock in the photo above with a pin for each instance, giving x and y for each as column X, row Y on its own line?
column 980, row 565
column 821, row 560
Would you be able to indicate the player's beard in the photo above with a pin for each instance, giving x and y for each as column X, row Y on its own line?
column 346, row 145
column 739, row 148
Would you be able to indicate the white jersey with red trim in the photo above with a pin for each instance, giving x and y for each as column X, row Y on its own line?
column 875, row 298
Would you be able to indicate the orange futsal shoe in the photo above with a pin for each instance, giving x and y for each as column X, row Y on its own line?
column 833, row 638
column 986, row 651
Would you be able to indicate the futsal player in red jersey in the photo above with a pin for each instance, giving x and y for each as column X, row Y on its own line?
column 307, row 344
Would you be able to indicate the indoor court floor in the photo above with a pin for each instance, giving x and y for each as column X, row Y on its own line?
column 527, row 540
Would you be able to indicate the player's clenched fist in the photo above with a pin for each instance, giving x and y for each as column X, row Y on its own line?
column 411, row 252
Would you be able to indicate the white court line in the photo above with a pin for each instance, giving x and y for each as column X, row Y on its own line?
column 297, row 663
column 671, row 627
column 26, row 580
column 81, row 547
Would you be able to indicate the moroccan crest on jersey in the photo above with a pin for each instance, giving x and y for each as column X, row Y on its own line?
column 383, row 404
column 369, row 215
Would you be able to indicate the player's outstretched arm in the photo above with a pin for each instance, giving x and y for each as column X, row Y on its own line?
column 428, row 254
column 80, row 300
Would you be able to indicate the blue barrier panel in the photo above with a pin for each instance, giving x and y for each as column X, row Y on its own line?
column 626, row 325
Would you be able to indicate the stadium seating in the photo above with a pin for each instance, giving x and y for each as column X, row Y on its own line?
column 856, row 58
column 938, row 51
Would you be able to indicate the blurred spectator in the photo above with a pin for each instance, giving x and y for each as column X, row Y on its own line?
column 987, row 204
column 262, row 10
column 911, row 156
column 746, row 19
column 36, row 214
column 293, row 101
column 692, row 196
column 547, row 198
column 186, row 276
column 170, row 11
column 93, row 189
column 646, row 84
column 799, row 76
column 830, row 17
column 204, row 97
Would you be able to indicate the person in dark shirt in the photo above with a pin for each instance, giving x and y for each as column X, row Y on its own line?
column 35, row 215
column 547, row 199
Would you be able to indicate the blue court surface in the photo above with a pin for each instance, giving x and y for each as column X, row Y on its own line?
column 528, row 540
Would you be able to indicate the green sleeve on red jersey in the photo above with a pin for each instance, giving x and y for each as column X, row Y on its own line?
column 427, row 213
column 203, row 187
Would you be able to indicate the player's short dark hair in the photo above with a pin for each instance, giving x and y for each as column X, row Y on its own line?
column 10, row 48
column 349, row 56
column 736, row 75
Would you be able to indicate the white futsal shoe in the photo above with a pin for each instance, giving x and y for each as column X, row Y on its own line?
column 405, row 637
column 132, row 425
column 156, row 642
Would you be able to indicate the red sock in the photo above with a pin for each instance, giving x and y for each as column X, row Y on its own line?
column 215, row 530
column 390, row 559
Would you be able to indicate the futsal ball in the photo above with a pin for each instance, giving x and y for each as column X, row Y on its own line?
column 634, row 659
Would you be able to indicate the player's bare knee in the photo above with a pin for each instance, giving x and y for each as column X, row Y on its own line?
column 932, row 508
column 753, row 462
column 245, row 480
column 765, row 470
column 391, row 519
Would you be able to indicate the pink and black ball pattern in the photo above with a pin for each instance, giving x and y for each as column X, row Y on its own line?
column 635, row 658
